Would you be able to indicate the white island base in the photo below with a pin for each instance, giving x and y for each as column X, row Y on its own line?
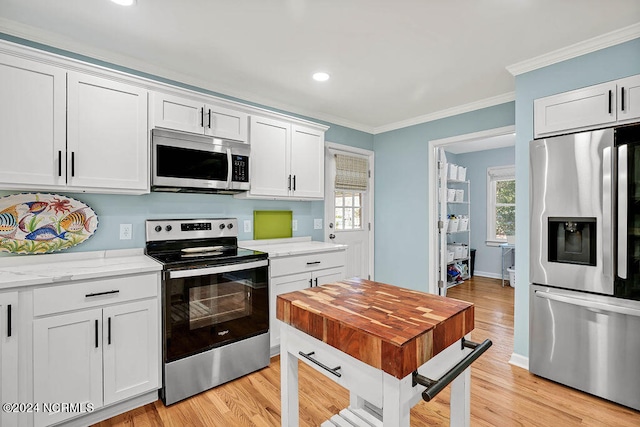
column 368, row 387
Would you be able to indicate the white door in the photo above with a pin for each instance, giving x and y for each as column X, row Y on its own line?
column 270, row 157
column 176, row 113
column 32, row 123
column 131, row 351
column 107, row 134
column 331, row 275
column 226, row 123
column 349, row 215
column 628, row 99
column 307, row 162
column 67, row 362
column 8, row 356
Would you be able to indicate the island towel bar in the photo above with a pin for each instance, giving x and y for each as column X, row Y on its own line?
column 434, row 387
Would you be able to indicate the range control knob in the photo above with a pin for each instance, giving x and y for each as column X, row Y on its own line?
column 230, row 226
column 158, row 228
column 168, row 228
column 222, row 226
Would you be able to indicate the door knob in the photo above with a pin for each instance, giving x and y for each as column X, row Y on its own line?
column 332, row 236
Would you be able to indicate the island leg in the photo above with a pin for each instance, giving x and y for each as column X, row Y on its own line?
column 397, row 395
column 288, row 384
column 460, row 402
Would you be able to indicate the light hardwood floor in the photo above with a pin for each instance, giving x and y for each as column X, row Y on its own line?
column 501, row 394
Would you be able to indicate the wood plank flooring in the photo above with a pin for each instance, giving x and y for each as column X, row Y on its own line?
column 501, row 394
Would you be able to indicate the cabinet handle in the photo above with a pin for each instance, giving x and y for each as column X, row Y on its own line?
column 310, row 283
column 610, row 100
column 109, row 331
column 294, row 183
column 322, row 365
column 9, row 320
column 622, row 97
column 96, row 333
column 59, row 162
column 316, row 279
column 101, row 293
column 313, row 263
column 289, row 182
column 209, row 118
column 202, row 117
column 73, row 163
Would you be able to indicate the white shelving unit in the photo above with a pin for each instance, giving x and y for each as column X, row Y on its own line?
column 454, row 200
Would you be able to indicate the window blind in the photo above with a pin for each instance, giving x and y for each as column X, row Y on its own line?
column 352, row 172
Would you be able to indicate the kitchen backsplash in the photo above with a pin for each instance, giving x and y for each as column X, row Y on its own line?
column 113, row 210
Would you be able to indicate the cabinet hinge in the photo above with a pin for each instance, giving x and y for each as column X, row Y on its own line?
column 368, row 277
column 440, row 164
column 440, row 284
column 369, row 226
column 369, row 171
column 440, row 225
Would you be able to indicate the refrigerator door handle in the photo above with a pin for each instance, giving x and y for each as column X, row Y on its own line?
column 607, row 228
column 589, row 303
column 623, row 191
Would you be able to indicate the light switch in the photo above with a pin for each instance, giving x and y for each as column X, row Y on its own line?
column 317, row 224
column 247, row 226
column 294, row 225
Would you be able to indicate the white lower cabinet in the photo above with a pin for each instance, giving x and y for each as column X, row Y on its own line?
column 293, row 273
column 8, row 356
column 96, row 356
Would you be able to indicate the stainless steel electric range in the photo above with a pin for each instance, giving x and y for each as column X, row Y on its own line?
column 215, row 304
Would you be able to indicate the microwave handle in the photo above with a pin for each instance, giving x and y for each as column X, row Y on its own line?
column 623, row 192
column 229, row 168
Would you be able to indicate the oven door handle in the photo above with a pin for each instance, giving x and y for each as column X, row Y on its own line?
column 193, row 272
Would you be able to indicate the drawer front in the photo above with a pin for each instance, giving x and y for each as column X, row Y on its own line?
column 356, row 376
column 86, row 294
column 310, row 262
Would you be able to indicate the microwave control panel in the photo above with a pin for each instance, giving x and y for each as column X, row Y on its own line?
column 240, row 168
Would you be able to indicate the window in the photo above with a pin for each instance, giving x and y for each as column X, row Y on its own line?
column 501, row 204
column 348, row 210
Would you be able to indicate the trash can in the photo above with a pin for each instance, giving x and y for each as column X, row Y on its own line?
column 472, row 262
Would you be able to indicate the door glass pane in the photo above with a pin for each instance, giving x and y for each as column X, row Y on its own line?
column 339, row 219
column 348, row 218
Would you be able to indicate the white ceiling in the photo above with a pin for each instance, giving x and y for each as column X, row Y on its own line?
column 390, row 62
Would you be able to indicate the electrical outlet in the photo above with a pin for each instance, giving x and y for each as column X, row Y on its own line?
column 247, row 226
column 317, row 224
column 126, row 231
column 294, row 224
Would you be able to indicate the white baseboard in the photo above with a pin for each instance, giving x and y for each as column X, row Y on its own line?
column 519, row 361
column 487, row 274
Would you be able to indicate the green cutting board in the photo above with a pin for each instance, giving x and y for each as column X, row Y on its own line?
column 272, row 224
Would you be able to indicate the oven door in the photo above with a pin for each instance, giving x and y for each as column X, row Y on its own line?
column 209, row 307
column 189, row 161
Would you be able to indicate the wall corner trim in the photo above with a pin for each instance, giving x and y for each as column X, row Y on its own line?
column 519, row 361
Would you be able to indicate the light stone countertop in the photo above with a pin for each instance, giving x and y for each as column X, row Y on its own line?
column 29, row 270
column 291, row 246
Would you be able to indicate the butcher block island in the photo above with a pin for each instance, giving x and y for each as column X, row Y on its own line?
column 387, row 345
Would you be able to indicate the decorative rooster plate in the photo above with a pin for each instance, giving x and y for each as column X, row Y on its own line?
column 36, row 223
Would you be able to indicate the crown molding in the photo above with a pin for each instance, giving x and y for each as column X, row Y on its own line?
column 582, row 48
column 55, row 41
column 449, row 112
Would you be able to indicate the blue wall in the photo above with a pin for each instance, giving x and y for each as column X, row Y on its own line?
column 612, row 63
column 488, row 258
column 113, row 210
column 401, row 192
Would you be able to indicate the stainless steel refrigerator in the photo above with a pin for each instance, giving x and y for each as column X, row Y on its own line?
column 585, row 262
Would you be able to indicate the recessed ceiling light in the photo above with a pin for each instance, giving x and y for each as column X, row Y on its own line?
column 124, row 2
column 321, row 77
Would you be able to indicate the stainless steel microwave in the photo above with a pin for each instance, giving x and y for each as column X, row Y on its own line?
column 184, row 162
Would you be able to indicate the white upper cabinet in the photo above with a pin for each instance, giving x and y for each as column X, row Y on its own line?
column 629, row 99
column 187, row 115
column 287, row 160
column 32, row 122
column 107, row 134
column 591, row 107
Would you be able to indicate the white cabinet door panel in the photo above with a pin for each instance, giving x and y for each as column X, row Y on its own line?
column 332, row 275
column 32, row 122
column 173, row 112
column 67, row 362
column 226, row 123
column 8, row 356
column 131, row 351
column 579, row 109
column 107, row 134
column 282, row 285
column 629, row 99
column 307, row 162
column 270, row 140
